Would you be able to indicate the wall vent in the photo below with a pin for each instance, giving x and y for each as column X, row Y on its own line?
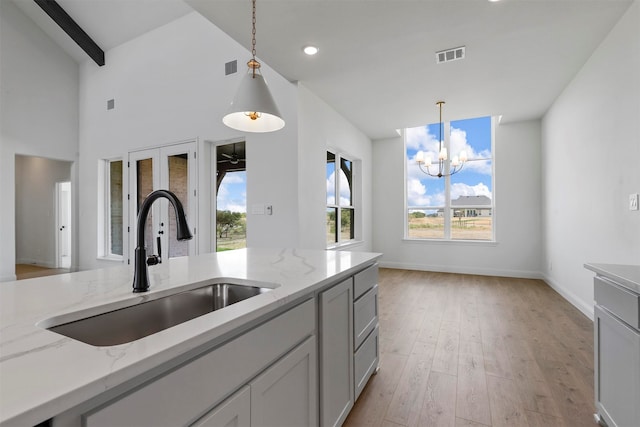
column 231, row 67
column 450, row 54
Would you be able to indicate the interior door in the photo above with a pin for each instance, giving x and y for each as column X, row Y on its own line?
column 63, row 192
column 171, row 168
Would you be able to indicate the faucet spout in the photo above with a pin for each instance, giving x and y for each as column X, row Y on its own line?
column 141, row 273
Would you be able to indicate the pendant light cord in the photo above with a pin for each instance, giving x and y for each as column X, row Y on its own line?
column 253, row 40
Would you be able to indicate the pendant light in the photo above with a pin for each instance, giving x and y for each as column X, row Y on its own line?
column 253, row 108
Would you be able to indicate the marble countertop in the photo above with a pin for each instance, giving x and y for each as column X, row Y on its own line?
column 625, row 275
column 43, row 373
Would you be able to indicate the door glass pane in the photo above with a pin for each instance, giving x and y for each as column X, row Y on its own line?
column 144, row 180
column 178, row 185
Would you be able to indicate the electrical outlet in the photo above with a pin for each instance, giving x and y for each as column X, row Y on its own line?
column 633, row 202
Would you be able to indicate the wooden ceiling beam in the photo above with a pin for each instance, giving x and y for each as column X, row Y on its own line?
column 69, row 26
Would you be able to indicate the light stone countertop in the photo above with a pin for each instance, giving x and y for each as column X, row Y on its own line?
column 625, row 275
column 43, row 373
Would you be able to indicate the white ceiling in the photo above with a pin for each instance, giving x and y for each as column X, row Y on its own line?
column 377, row 64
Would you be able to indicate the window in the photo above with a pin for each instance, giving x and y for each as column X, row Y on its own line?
column 112, row 210
column 456, row 207
column 340, row 200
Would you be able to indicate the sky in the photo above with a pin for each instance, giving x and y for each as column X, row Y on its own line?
column 232, row 194
column 471, row 135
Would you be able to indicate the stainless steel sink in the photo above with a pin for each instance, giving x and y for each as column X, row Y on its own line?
column 137, row 321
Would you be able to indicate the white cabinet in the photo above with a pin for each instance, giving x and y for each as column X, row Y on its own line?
column 366, row 330
column 336, row 349
column 186, row 393
column 617, row 354
column 233, row 412
column 286, row 393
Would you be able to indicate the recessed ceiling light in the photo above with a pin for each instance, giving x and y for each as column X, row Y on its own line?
column 310, row 50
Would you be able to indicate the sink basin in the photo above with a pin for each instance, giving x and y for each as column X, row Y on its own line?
column 128, row 324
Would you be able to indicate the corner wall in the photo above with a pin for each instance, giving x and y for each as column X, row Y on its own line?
column 591, row 152
column 321, row 128
column 516, row 252
column 39, row 113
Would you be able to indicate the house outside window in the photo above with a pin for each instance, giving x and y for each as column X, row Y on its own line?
column 456, row 207
column 341, row 211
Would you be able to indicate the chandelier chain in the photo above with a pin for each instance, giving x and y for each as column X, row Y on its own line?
column 253, row 31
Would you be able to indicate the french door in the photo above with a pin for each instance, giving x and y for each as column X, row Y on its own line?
column 170, row 168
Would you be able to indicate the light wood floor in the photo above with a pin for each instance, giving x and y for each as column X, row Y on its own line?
column 462, row 350
column 29, row 271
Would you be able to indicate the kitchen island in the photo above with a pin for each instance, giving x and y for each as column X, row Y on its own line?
column 44, row 375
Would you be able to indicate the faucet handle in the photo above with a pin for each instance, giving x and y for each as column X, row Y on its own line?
column 155, row 259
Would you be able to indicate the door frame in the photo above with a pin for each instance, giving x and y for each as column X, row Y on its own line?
column 158, row 209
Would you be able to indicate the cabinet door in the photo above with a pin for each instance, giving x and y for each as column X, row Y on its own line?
column 233, row 412
column 617, row 370
column 285, row 394
column 336, row 353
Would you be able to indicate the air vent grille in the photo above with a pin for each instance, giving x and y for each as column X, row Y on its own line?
column 450, row 54
column 231, row 67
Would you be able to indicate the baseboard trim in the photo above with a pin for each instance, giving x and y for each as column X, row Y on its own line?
column 463, row 270
column 9, row 278
column 586, row 309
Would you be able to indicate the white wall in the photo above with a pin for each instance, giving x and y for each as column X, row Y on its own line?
column 169, row 86
column 39, row 112
column 320, row 128
column 517, row 249
column 591, row 152
column 35, row 208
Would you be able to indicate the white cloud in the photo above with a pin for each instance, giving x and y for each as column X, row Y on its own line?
column 234, row 201
column 460, row 189
column 345, row 192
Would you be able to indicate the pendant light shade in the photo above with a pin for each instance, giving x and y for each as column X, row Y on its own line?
column 253, row 108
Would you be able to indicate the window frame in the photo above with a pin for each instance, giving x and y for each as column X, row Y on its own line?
column 339, row 156
column 104, row 210
column 448, row 208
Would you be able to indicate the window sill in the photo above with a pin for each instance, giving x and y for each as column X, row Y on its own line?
column 452, row 242
column 349, row 244
column 112, row 258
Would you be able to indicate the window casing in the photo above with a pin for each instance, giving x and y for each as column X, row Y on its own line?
column 341, row 210
column 458, row 207
column 111, row 224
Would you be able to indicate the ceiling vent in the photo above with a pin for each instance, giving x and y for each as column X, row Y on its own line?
column 450, row 54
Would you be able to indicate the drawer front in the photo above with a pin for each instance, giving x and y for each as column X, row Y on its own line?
column 366, row 361
column 365, row 280
column 195, row 387
column 619, row 301
column 365, row 316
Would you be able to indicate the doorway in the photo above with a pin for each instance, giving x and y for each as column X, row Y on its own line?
column 63, row 224
column 38, row 236
column 172, row 168
column 231, row 196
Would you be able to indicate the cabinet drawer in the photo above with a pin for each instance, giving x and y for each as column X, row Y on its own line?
column 365, row 316
column 186, row 393
column 365, row 280
column 619, row 301
column 366, row 361
column 235, row 411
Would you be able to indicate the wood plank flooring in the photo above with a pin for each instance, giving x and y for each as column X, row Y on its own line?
column 463, row 350
column 29, row 271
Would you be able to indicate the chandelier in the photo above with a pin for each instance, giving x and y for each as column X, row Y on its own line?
column 253, row 108
column 425, row 162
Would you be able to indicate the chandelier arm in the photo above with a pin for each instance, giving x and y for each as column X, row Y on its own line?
column 426, row 171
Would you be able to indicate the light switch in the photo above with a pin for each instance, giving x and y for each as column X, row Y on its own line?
column 633, row 202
